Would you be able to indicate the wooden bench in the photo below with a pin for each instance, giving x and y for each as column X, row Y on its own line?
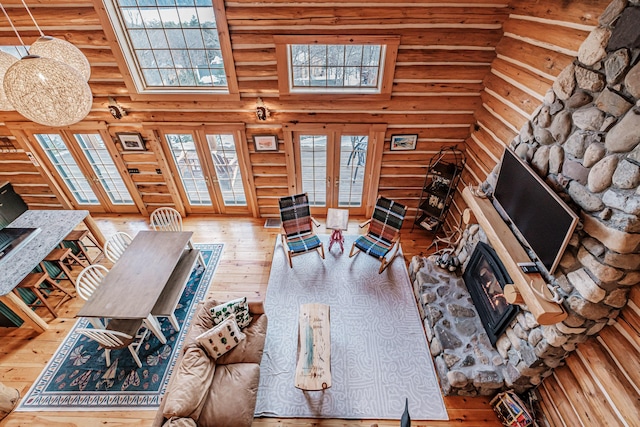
column 313, row 370
column 170, row 296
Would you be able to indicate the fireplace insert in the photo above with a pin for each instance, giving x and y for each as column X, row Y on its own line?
column 485, row 277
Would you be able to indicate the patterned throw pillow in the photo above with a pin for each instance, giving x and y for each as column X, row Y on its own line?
column 239, row 307
column 221, row 338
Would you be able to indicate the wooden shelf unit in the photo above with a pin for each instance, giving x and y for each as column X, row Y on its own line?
column 440, row 183
column 511, row 253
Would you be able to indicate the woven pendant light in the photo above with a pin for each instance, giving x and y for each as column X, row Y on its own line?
column 47, row 91
column 63, row 51
column 6, row 61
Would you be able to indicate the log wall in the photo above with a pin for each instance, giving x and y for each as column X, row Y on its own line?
column 600, row 383
column 540, row 39
column 444, row 55
column 469, row 74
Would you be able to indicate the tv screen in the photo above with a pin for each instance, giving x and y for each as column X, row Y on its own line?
column 542, row 218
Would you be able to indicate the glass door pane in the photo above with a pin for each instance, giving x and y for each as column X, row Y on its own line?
column 227, row 170
column 353, row 160
column 67, row 168
column 183, row 150
column 313, row 166
column 105, row 170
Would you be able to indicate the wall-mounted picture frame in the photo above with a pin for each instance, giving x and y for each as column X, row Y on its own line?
column 131, row 141
column 403, row 142
column 266, row 142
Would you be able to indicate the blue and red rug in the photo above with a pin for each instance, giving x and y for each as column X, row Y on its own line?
column 77, row 378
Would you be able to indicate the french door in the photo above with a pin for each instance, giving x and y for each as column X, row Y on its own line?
column 84, row 168
column 209, row 168
column 332, row 163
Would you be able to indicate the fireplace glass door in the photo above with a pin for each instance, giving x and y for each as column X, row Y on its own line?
column 485, row 277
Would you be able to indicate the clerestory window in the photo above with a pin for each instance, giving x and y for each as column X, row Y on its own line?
column 173, row 46
column 334, row 65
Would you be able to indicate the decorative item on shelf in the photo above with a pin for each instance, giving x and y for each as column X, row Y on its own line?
column 403, row 142
column 266, row 142
column 131, row 141
column 511, row 410
column 262, row 112
column 6, row 61
column 45, row 90
column 115, row 109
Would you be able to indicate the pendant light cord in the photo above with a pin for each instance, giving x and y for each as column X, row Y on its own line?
column 33, row 19
column 14, row 28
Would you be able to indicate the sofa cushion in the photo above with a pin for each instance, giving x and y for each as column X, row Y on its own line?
column 190, row 381
column 180, row 422
column 250, row 349
column 238, row 306
column 221, row 338
column 231, row 385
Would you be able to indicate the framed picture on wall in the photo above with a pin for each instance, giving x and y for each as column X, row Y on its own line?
column 403, row 142
column 131, row 141
column 266, row 142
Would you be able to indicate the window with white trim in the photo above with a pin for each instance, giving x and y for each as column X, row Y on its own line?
column 170, row 46
column 336, row 64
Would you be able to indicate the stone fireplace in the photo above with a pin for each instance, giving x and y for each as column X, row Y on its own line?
column 584, row 141
column 485, row 278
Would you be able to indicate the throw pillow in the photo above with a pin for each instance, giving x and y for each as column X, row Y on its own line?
column 221, row 338
column 239, row 307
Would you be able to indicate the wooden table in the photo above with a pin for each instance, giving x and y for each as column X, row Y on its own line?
column 337, row 220
column 135, row 283
column 313, row 370
column 54, row 226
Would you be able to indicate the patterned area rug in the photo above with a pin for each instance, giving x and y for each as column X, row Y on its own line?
column 379, row 353
column 77, row 378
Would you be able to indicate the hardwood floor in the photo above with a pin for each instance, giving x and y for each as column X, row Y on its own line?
column 243, row 271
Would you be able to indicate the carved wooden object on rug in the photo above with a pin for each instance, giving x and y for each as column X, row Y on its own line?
column 313, row 370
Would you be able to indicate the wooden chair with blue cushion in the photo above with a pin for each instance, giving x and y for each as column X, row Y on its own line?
column 298, row 236
column 383, row 235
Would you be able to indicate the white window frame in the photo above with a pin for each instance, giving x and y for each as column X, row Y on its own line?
column 134, row 80
column 389, row 51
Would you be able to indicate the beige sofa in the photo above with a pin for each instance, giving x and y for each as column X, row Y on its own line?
column 203, row 392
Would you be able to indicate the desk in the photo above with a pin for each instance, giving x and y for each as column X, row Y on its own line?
column 54, row 226
column 337, row 220
column 136, row 281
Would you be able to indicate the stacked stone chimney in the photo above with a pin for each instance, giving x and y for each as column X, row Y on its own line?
column 584, row 141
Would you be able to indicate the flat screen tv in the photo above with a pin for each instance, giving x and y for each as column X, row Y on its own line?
column 544, row 221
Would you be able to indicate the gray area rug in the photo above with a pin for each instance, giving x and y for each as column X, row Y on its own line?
column 379, row 353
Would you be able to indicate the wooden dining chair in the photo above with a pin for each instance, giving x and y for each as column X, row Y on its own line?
column 87, row 282
column 116, row 245
column 41, row 285
column 169, row 219
column 119, row 334
column 166, row 219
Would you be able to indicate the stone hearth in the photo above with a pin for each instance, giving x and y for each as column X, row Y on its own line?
column 466, row 362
